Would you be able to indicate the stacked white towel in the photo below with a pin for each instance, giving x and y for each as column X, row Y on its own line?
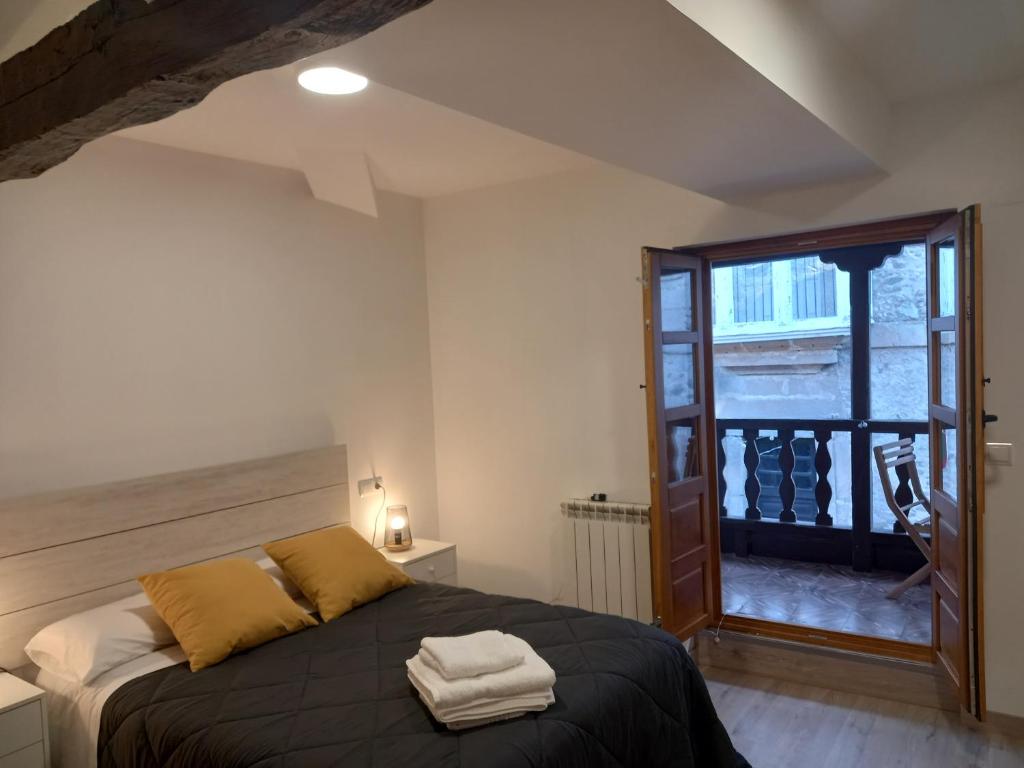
column 480, row 678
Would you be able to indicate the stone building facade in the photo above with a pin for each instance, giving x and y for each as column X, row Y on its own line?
column 780, row 363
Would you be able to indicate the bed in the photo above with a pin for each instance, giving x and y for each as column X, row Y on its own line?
column 337, row 694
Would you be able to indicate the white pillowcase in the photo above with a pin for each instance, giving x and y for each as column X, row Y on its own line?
column 82, row 647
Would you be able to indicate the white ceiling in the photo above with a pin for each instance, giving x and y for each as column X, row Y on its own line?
column 635, row 83
column 411, row 146
column 729, row 98
column 24, row 22
column 913, row 49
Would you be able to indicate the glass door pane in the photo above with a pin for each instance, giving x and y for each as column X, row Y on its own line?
column 945, row 342
column 683, row 566
column 945, row 278
column 683, row 450
column 677, row 300
column 678, row 373
column 947, row 459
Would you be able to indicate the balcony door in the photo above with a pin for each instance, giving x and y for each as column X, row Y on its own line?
column 685, row 551
column 957, row 455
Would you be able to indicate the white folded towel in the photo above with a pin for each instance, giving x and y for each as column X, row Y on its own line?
column 495, row 707
column 488, row 707
column 533, row 676
column 469, row 655
column 484, row 711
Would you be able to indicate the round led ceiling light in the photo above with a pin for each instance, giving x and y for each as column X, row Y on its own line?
column 332, row 81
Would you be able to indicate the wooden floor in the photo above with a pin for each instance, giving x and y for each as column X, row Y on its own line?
column 777, row 724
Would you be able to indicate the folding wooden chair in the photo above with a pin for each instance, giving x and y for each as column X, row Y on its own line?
column 891, row 456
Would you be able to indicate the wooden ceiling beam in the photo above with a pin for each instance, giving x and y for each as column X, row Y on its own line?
column 121, row 63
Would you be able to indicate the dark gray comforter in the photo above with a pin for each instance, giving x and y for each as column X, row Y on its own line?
column 337, row 695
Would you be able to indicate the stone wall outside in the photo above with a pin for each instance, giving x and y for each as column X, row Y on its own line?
column 810, row 377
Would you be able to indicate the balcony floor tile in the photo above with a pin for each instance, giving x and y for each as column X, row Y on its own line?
column 826, row 597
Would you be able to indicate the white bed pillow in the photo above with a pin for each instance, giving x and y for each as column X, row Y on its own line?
column 82, row 647
column 87, row 644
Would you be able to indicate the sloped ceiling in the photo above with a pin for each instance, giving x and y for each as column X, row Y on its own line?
column 25, row 22
column 637, row 84
column 725, row 98
column 409, row 145
column 917, row 49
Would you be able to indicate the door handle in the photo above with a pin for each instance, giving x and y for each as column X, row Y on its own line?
column 988, row 418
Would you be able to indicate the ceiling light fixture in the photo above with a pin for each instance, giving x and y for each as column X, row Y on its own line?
column 333, row 81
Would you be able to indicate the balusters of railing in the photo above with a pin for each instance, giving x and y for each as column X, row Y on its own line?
column 722, row 485
column 752, row 487
column 787, row 488
column 902, row 494
column 822, row 465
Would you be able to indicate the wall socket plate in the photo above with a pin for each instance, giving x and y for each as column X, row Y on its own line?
column 999, row 453
column 369, row 485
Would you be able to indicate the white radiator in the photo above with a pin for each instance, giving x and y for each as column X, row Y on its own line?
column 608, row 557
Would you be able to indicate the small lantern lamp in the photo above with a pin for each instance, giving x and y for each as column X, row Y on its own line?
column 397, row 532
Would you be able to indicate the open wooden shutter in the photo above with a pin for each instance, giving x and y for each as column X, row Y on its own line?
column 957, row 451
column 680, row 407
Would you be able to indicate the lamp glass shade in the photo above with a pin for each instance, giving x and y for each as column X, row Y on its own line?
column 397, row 531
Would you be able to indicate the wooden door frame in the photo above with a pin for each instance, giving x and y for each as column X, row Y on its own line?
column 656, row 420
column 905, row 228
column 901, row 229
column 938, row 411
column 966, row 416
column 711, row 449
column 972, row 230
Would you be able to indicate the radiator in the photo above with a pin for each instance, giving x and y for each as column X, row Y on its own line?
column 608, row 558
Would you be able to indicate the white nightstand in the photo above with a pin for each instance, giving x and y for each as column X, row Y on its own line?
column 24, row 740
column 427, row 561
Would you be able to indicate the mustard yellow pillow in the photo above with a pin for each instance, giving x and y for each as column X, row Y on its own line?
column 219, row 608
column 336, row 569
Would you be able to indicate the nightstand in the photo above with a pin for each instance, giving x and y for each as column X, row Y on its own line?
column 24, row 740
column 428, row 561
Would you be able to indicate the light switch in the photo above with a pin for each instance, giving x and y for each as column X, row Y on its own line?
column 999, row 453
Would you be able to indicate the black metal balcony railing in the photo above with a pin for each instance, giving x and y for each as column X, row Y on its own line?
column 796, row 523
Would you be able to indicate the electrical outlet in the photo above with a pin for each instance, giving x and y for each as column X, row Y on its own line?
column 369, row 485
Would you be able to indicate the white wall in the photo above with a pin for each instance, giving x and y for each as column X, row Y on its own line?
column 162, row 310
column 536, row 338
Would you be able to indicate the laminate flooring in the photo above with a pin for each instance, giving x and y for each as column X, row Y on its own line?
column 778, row 724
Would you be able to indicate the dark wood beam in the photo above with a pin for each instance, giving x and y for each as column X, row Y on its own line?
column 860, row 407
column 859, row 261
column 121, row 63
column 862, row 258
column 901, row 230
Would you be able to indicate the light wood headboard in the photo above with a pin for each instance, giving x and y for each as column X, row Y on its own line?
column 69, row 551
